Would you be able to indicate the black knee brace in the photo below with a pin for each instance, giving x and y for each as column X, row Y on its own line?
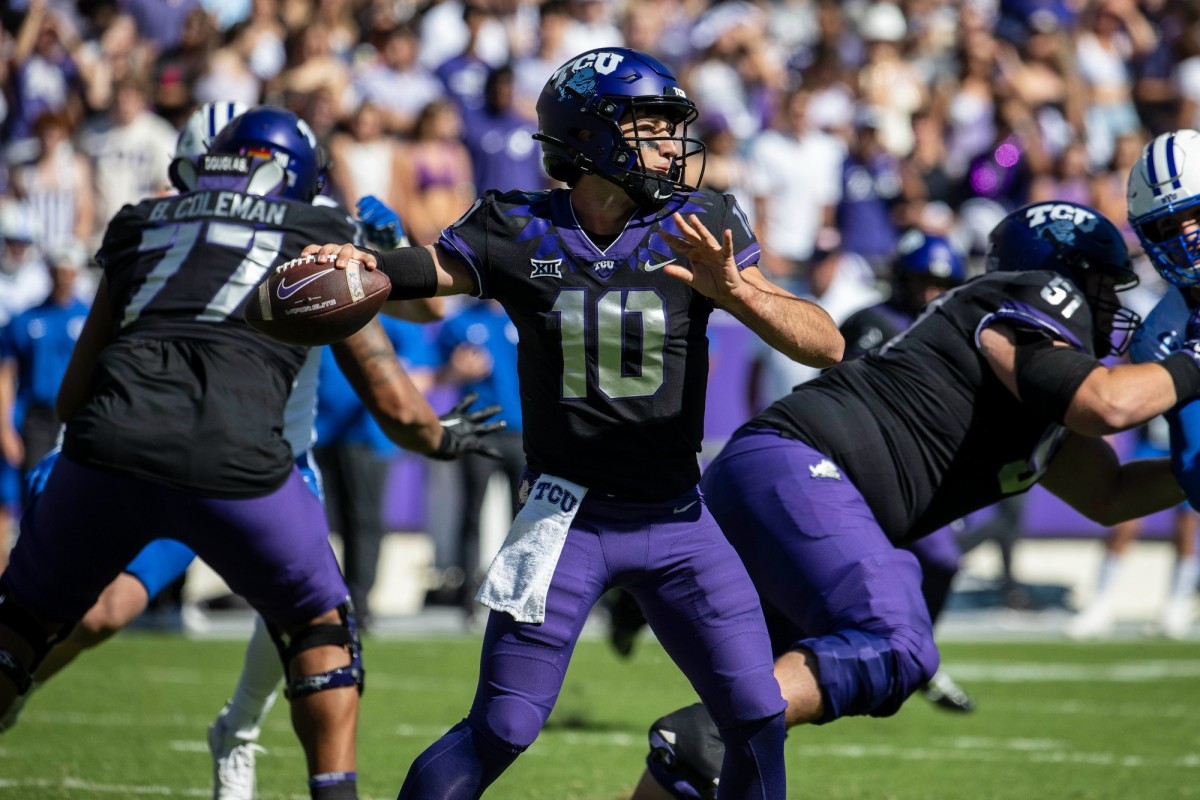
column 343, row 635
column 686, row 752
column 17, row 619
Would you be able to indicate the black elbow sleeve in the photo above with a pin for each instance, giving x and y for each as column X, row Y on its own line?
column 1048, row 376
column 411, row 271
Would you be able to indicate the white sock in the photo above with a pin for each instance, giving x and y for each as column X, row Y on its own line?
column 1109, row 568
column 258, row 685
column 1184, row 577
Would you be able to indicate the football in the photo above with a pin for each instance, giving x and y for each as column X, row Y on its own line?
column 306, row 303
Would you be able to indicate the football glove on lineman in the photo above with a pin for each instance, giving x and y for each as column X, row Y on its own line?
column 462, row 430
column 381, row 225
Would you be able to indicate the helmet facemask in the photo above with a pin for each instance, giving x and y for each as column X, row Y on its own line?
column 1100, row 283
column 650, row 123
column 1171, row 239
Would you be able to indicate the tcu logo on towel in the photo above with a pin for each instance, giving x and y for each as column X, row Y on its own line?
column 556, row 495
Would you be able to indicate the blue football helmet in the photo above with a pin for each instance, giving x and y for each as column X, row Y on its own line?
column 280, row 136
column 1164, row 205
column 923, row 260
column 1076, row 242
column 920, row 253
column 580, row 112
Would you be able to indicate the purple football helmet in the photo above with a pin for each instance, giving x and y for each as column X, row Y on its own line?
column 580, row 112
column 1075, row 241
column 281, row 136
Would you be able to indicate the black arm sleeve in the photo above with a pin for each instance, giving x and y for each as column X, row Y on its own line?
column 411, row 271
column 1048, row 376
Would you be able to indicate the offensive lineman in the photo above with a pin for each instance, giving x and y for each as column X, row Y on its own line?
column 174, row 413
column 997, row 386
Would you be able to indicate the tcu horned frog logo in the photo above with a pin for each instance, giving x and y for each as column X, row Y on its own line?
column 1060, row 221
column 580, row 75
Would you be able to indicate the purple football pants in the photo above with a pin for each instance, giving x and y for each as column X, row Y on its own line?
column 830, row 580
column 939, row 556
column 700, row 603
column 88, row 525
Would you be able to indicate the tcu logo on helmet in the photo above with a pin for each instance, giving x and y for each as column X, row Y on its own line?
column 1039, row 215
column 604, row 63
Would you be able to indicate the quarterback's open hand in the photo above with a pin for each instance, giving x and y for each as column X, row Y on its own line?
column 713, row 272
column 462, row 430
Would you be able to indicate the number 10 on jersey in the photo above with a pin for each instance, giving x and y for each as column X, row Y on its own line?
column 615, row 314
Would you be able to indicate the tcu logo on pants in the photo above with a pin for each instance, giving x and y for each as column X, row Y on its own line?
column 555, row 494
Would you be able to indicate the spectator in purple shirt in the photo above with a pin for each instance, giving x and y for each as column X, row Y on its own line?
column 503, row 154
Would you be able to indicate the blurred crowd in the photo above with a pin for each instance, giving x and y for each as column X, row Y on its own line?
column 836, row 124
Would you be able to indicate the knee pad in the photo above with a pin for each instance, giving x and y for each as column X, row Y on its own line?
column 862, row 673
column 686, row 753
column 343, row 635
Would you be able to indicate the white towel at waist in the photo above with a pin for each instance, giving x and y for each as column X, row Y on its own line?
column 518, row 580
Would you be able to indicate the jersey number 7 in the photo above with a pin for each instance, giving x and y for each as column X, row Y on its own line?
column 261, row 248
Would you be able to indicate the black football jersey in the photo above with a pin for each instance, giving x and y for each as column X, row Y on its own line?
column 922, row 426
column 613, row 354
column 188, row 394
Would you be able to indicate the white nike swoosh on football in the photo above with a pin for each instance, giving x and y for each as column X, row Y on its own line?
column 648, row 267
column 284, row 291
column 682, row 509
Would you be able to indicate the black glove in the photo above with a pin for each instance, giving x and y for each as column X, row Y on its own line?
column 462, row 431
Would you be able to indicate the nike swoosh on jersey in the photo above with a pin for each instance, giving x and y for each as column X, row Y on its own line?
column 648, row 267
column 284, row 291
column 682, row 509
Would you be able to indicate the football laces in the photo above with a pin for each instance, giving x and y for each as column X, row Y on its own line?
column 295, row 262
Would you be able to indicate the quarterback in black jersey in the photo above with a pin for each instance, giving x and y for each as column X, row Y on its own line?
column 997, row 386
column 610, row 284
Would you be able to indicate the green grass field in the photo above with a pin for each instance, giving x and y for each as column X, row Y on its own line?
column 1056, row 720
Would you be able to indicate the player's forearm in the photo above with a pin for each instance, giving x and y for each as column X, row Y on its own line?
column 1118, row 398
column 799, row 329
column 1087, row 475
column 1141, row 488
column 369, row 362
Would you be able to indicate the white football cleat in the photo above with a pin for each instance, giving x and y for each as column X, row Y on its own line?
column 1094, row 622
column 233, row 754
column 1176, row 622
column 943, row 692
